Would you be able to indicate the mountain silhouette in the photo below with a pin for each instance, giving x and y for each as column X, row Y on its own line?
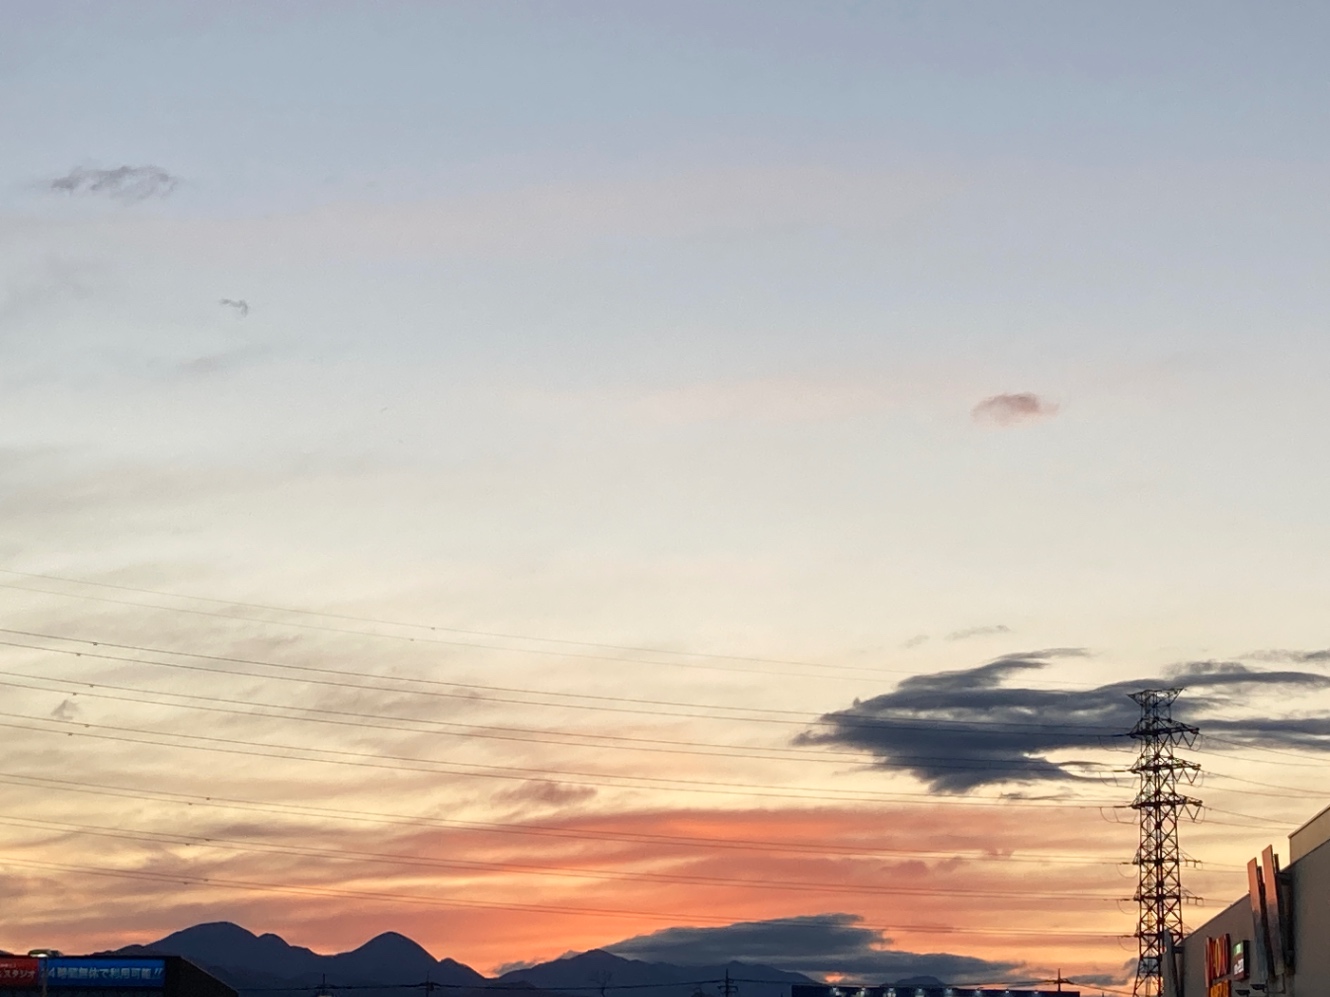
column 254, row 962
column 585, row 973
column 393, row 962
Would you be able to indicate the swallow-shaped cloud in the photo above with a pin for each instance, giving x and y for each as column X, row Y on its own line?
column 123, row 183
column 960, row 730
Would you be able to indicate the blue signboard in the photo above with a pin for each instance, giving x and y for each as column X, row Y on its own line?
column 87, row 973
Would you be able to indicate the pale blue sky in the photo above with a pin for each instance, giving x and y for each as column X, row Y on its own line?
column 712, row 281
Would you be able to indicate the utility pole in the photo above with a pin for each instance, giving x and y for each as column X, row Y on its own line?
column 729, row 988
column 1159, row 893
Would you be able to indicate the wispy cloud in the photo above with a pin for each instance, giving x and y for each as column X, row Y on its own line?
column 988, row 631
column 123, row 183
column 436, row 863
column 1013, row 409
column 816, row 944
column 775, row 399
column 960, row 730
column 25, row 300
column 1301, row 657
column 548, row 793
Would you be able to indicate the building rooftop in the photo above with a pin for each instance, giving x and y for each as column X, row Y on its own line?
column 1309, row 837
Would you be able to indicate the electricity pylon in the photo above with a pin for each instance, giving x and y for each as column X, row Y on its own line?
column 1159, row 892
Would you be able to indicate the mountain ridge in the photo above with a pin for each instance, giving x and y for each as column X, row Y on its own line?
column 390, row 964
column 248, row 961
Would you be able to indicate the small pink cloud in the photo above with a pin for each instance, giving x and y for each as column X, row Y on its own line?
column 1013, row 409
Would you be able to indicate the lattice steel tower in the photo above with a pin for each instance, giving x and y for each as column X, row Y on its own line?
column 1159, row 892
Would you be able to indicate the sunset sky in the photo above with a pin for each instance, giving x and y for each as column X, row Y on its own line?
column 462, row 464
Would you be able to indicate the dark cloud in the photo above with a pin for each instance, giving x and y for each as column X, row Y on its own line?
column 1013, row 409
column 1304, row 732
column 815, row 944
column 124, row 183
column 1230, row 684
column 964, row 729
column 997, row 628
column 240, row 305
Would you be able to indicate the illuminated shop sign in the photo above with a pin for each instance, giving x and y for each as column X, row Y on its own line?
column 1225, row 961
column 87, row 973
column 18, row 972
column 820, row 990
column 1237, row 963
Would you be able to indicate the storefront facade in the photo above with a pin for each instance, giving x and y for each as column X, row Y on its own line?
column 1276, row 939
column 814, row 990
column 107, row 976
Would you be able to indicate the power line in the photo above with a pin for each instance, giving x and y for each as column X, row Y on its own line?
column 1324, row 746
column 789, row 717
column 405, row 820
column 863, row 672
column 1252, row 817
column 361, row 759
column 618, row 659
column 213, row 841
column 489, row 731
column 770, row 753
column 902, row 761
column 575, row 699
column 1100, row 986
column 177, row 878
column 487, row 986
column 428, row 985
column 1295, row 793
column 774, row 716
column 1206, row 821
column 419, row 626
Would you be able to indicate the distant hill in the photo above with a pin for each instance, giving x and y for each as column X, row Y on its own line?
column 252, row 962
column 267, row 962
column 584, row 973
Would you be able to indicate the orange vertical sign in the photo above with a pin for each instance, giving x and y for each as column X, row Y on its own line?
column 1217, row 966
